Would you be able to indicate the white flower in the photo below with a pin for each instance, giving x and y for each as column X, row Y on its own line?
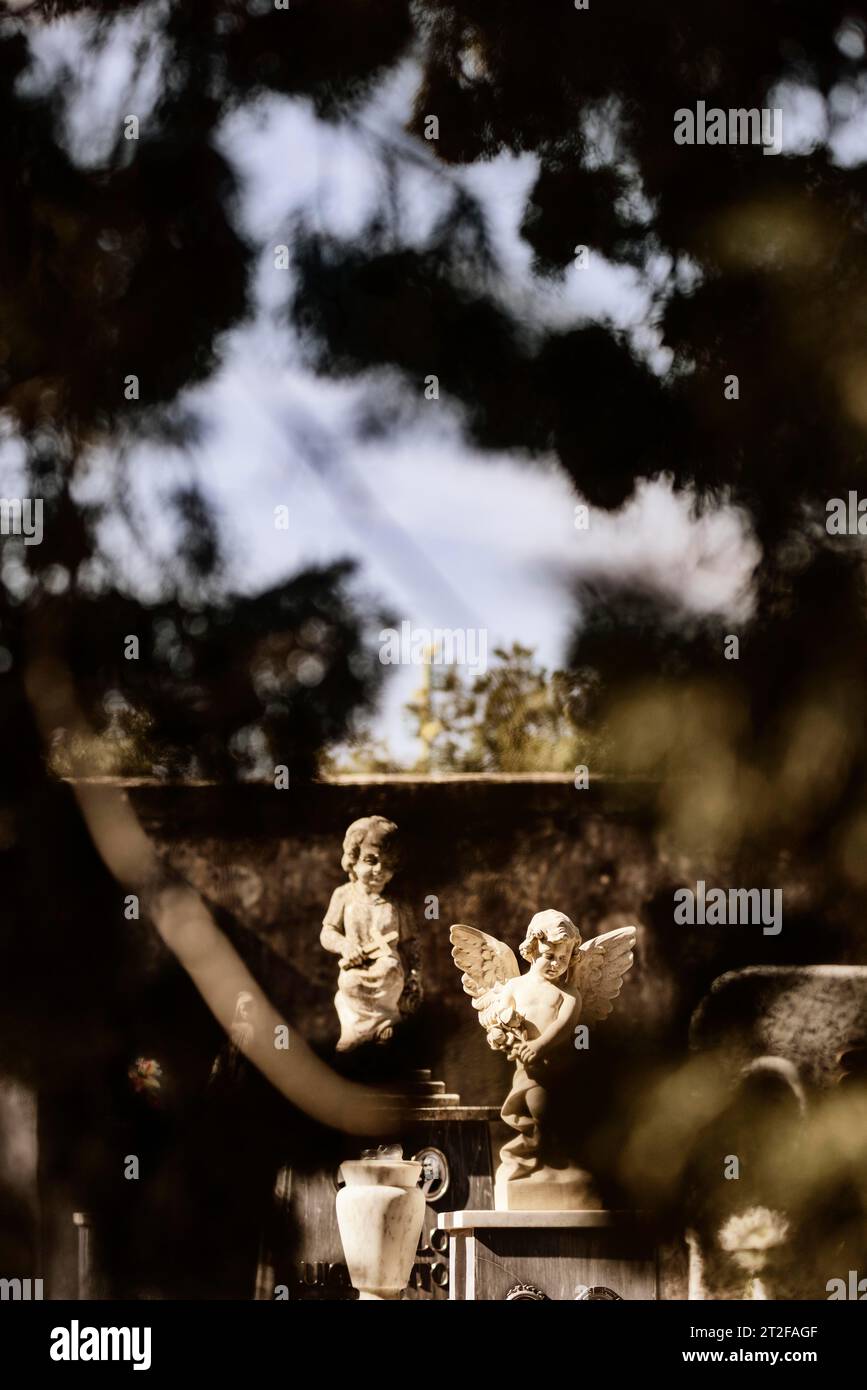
column 757, row 1228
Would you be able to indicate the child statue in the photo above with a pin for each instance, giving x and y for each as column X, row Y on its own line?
column 533, row 1018
column 374, row 936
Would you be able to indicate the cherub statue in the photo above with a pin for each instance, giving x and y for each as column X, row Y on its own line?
column 374, row 935
column 533, row 1018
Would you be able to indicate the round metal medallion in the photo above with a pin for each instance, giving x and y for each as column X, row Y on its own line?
column 434, row 1173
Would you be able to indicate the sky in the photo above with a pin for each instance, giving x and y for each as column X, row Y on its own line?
column 444, row 535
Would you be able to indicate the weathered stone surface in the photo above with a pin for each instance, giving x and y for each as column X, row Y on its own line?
column 811, row 1015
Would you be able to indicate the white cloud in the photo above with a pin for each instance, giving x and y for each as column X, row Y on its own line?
column 99, row 73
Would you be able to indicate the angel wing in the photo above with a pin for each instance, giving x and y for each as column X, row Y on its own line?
column 599, row 969
column 487, row 965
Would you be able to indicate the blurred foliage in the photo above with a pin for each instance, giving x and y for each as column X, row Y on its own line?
column 516, row 717
column 132, row 263
column 231, row 689
column 751, row 265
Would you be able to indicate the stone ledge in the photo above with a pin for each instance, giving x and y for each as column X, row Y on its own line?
column 468, row 1221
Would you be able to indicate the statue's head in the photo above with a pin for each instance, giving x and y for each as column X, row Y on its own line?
column 243, row 1022
column 551, row 939
column 370, row 852
column 244, row 1007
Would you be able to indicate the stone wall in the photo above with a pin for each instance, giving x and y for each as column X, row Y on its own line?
column 492, row 851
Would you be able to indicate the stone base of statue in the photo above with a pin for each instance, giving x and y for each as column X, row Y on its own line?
column 561, row 1255
column 547, row 1189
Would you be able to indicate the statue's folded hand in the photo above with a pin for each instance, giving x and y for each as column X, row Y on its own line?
column 353, row 961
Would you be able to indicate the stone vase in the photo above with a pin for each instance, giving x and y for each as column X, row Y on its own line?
column 380, row 1213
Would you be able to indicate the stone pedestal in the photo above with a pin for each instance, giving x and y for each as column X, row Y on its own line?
column 548, row 1189
column 560, row 1255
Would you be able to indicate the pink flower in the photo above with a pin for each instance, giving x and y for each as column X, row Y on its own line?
column 145, row 1076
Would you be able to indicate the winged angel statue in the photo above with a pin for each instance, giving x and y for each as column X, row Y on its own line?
column 531, row 1018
